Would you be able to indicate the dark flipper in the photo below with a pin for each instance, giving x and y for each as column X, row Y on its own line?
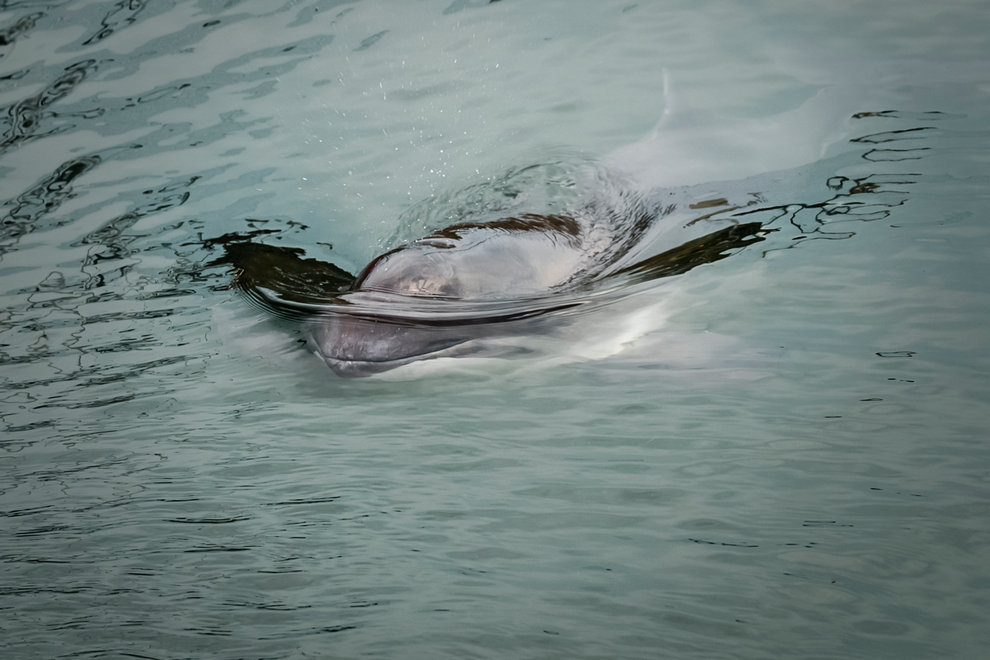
column 703, row 250
column 281, row 280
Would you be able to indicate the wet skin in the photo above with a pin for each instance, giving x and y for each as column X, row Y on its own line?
column 467, row 281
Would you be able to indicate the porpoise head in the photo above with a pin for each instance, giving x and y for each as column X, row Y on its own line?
column 461, row 268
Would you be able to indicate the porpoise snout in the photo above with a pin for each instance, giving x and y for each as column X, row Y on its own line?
column 354, row 345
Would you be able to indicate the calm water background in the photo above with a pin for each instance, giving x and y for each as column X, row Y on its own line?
column 791, row 460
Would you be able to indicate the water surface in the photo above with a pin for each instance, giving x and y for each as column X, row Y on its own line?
column 778, row 454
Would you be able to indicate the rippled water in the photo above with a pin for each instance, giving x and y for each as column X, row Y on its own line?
column 780, row 453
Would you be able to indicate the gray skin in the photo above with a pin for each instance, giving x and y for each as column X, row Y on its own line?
column 362, row 346
column 432, row 296
column 513, row 259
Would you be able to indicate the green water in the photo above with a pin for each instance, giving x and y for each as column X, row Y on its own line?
column 780, row 454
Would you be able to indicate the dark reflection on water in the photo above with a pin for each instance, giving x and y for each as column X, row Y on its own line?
column 30, row 208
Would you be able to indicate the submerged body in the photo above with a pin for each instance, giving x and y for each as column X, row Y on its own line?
column 432, row 296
